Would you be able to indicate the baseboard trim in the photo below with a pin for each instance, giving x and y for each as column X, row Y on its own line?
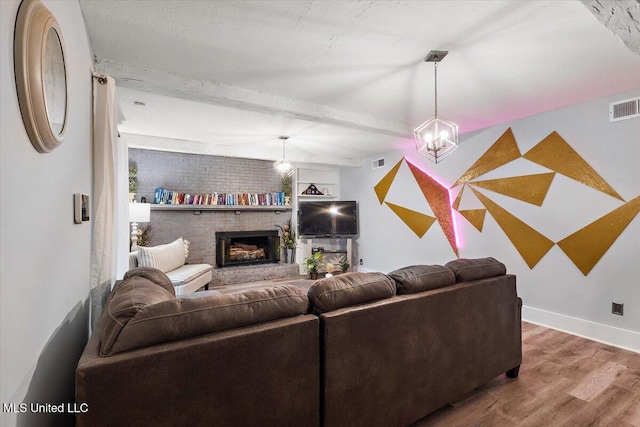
column 617, row 337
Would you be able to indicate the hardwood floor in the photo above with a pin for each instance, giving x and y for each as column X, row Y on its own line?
column 564, row 381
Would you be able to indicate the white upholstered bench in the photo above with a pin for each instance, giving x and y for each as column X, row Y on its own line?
column 170, row 259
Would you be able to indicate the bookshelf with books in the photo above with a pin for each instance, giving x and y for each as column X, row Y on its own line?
column 165, row 199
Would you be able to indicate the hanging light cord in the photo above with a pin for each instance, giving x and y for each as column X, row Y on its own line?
column 284, row 141
column 435, row 70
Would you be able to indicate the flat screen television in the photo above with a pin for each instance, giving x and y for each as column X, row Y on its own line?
column 328, row 219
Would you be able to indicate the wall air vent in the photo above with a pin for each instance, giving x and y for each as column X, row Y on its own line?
column 377, row 163
column 625, row 109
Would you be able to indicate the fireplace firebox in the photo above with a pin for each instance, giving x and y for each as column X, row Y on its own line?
column 247, row 247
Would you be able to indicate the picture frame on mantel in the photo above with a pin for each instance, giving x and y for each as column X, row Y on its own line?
column 41, row 75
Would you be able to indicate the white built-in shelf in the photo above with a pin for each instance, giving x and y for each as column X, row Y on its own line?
column 316, row 182
column 325, row 180
column 316, row 196
column 232, row 208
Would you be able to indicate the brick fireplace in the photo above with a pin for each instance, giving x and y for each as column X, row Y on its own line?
column 204, row 174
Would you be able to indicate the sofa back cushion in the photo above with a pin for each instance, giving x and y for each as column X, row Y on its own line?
column 165, row 257
column 467, row 270
column 141, row 313
column 349, row 289
column 419, row 278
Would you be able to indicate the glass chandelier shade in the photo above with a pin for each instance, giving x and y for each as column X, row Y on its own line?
column 436, row 138
column 283, row 166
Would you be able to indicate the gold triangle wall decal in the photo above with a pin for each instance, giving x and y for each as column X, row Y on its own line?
column 475, row 217
column 438, row 198
column 588, row 245
column 418, row 222
column 503, row 151
column 528, row 188
column 554, row 153
column 456, row 203
column 531, row 244
column 382, row 187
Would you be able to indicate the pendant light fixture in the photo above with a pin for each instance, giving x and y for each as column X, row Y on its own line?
column 436, row 138
column 284, row 167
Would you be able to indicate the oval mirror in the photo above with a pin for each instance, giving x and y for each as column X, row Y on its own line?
column 41, row 75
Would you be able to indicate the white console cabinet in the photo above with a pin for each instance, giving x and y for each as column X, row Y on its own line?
column 333, row 250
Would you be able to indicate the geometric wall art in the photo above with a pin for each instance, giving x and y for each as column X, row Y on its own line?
column 584, row 247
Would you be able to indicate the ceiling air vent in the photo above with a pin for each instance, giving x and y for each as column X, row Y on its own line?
column 625, row 109
column 377, row 163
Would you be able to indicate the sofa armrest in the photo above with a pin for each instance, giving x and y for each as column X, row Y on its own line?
column 264, row 374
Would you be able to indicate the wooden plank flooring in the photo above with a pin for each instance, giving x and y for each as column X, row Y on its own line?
column 564, row 381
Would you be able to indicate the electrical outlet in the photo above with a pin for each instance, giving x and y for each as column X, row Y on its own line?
column 617, row 308
column 361, row 262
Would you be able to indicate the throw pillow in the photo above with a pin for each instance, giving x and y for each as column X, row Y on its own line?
column 163, row 257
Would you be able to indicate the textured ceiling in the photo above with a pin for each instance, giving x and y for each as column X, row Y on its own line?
column 345, row 79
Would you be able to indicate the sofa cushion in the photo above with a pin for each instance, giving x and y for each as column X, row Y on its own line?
column 187, row 273
column 419, row 278
column 199, row 294
column 349, row 289
column 154, row 275
column 165, row 257
column 142, row 314
column 476, row 269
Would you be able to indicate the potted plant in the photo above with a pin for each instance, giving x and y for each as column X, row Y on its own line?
column 344, row 265
column 288, row 239
column 286, row 189
column 313, row 263
column 133, row 182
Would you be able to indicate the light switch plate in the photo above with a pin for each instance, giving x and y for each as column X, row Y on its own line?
column 80, row 208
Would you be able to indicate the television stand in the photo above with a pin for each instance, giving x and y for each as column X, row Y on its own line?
column 333, row 248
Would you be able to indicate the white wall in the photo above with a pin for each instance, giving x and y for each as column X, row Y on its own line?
column 555, row 292
column 44, row 270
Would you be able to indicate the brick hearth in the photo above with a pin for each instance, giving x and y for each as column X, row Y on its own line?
column 252, row 273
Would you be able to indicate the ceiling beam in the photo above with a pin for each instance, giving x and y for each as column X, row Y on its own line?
column 169, row 84
column 259, row 152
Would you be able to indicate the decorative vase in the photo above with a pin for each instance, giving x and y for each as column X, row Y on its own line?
column 290, row 256
column 132, row 197
column 313, row 275
column 287, row 200
column 285, row 256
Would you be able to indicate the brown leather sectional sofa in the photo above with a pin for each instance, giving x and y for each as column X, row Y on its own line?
column 357, row 349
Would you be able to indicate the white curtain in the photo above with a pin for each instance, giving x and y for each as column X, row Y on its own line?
column 103, row 243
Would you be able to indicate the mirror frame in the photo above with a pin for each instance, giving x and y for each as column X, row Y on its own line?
column 33, row 23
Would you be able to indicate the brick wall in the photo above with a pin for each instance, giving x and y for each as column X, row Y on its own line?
column 192, row 173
